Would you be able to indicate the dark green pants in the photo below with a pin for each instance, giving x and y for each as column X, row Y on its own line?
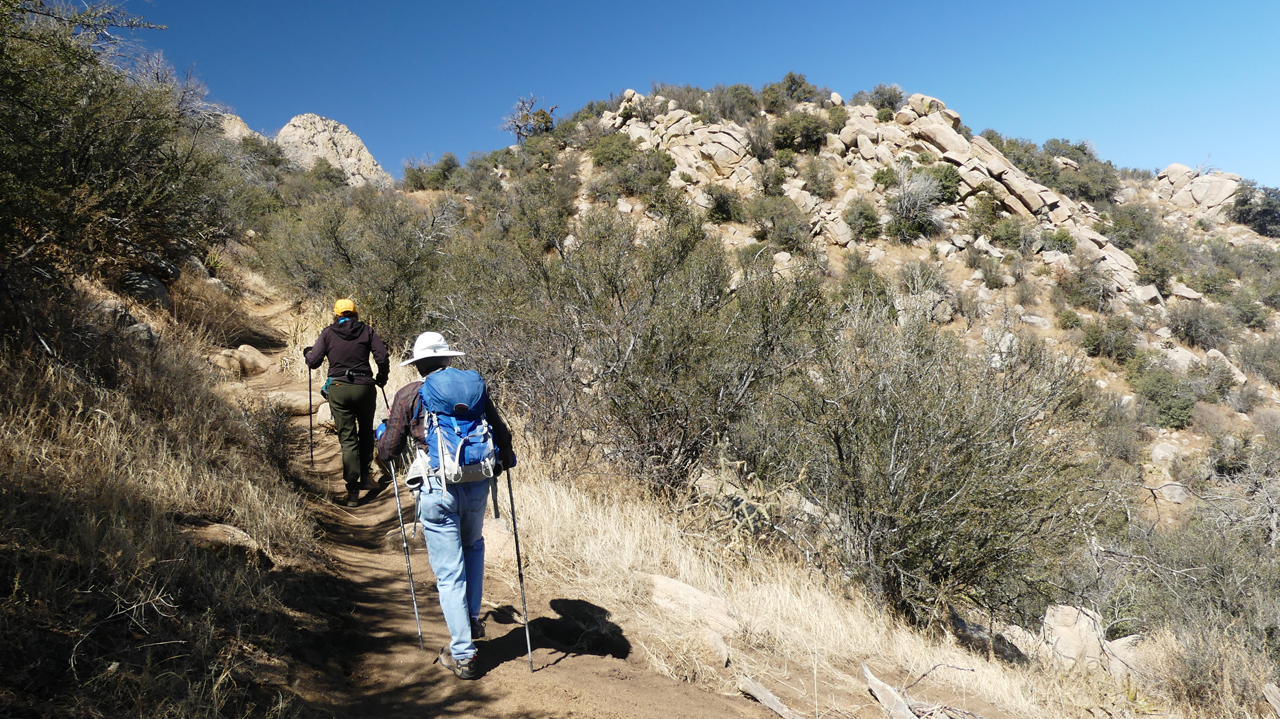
column 353, row 406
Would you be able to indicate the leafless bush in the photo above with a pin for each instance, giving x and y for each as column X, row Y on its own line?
column 380, row 251
column 946, row 487
column 913, row 206
column 918, row 277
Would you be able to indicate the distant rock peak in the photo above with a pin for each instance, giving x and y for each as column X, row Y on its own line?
column 309, row 137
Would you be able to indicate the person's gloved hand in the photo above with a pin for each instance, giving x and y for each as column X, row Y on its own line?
column 415, row 486
column 306, row 350
column 507, row 458
column 381, row 379
column 380, row 430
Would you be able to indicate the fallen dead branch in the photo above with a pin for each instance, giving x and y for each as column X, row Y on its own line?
column 756, row 691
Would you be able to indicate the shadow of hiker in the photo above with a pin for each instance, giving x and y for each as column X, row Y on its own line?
column 581, row 628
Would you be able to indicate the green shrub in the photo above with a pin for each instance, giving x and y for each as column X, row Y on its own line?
column 1268, row 289
column 779, row 222
column 818, row 178
column 837, row 116
column 780, row 97
column 612, row 151
column 1261, row 357
column 1128, row 226
column 925, row 158
column 110, row 163
column 687, row 97
column 1012, row 233
column 735, row 103
column 992, row 272
column 985, row 213
column 863, row 286
column 1217, row 282
column 770, row 177
column 882, row 97
column 785, row 158
column 1057, row 241
column 863, row 219
column 1096, row 181
column 1026, row 293
column 1088, row 287
column 799, row 132
column 884, row 115
column 726, row 205
column 1170, row 400
column 1257, row 207
column 1159, row 262
column 425, row 176
column 642, row 176
column 1209, row 381
column 1115, row 339
column 885, row 177
column 760, row 139
column 381, row 251
column 1247, row 311
column 1069, row 320
column 948, row 178
column 1200, row 325
column 1118, row 432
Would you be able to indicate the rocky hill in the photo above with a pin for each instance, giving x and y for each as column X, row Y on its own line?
column 717, row 154
column 309, row 137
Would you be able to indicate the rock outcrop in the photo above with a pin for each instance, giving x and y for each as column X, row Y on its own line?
column 719, row 154
column 1205, row 195
column 310, row 137
column 234, row 128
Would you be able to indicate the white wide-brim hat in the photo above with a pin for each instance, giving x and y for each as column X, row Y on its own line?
column 430, row 344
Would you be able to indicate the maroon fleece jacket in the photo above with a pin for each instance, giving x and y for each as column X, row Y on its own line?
column 347, row 345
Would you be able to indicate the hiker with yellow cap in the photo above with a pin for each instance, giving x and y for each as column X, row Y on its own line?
column 347, row 344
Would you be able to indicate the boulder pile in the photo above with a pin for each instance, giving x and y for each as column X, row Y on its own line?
column 1202, row 195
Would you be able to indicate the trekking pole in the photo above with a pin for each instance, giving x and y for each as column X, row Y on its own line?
column 404, row 541
column 494, row 483
column 524, row 604
column 384, row 400
column 311, row 422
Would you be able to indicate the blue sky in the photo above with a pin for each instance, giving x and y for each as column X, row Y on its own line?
column 1149, row 83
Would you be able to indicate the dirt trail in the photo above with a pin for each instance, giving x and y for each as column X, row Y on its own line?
column 387, row 675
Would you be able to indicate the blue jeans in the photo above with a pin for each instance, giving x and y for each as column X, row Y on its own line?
column 453, row 525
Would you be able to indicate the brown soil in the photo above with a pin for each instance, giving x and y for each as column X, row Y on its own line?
column 376, row 668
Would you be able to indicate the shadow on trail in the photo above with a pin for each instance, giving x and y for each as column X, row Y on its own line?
column 581, row 628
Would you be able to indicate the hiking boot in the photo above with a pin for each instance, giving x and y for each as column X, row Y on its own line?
column 461, row 668
column 353, row 498
column 477, row 628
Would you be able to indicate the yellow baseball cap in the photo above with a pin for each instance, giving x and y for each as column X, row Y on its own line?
column 341, row 307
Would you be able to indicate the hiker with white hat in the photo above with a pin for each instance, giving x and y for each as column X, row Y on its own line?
column 459, row 444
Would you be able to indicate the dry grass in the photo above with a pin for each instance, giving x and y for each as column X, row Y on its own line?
column 592, row 538
column 218, row 315
column 104, row 454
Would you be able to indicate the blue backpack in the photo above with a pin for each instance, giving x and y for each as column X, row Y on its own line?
column 460, row 444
